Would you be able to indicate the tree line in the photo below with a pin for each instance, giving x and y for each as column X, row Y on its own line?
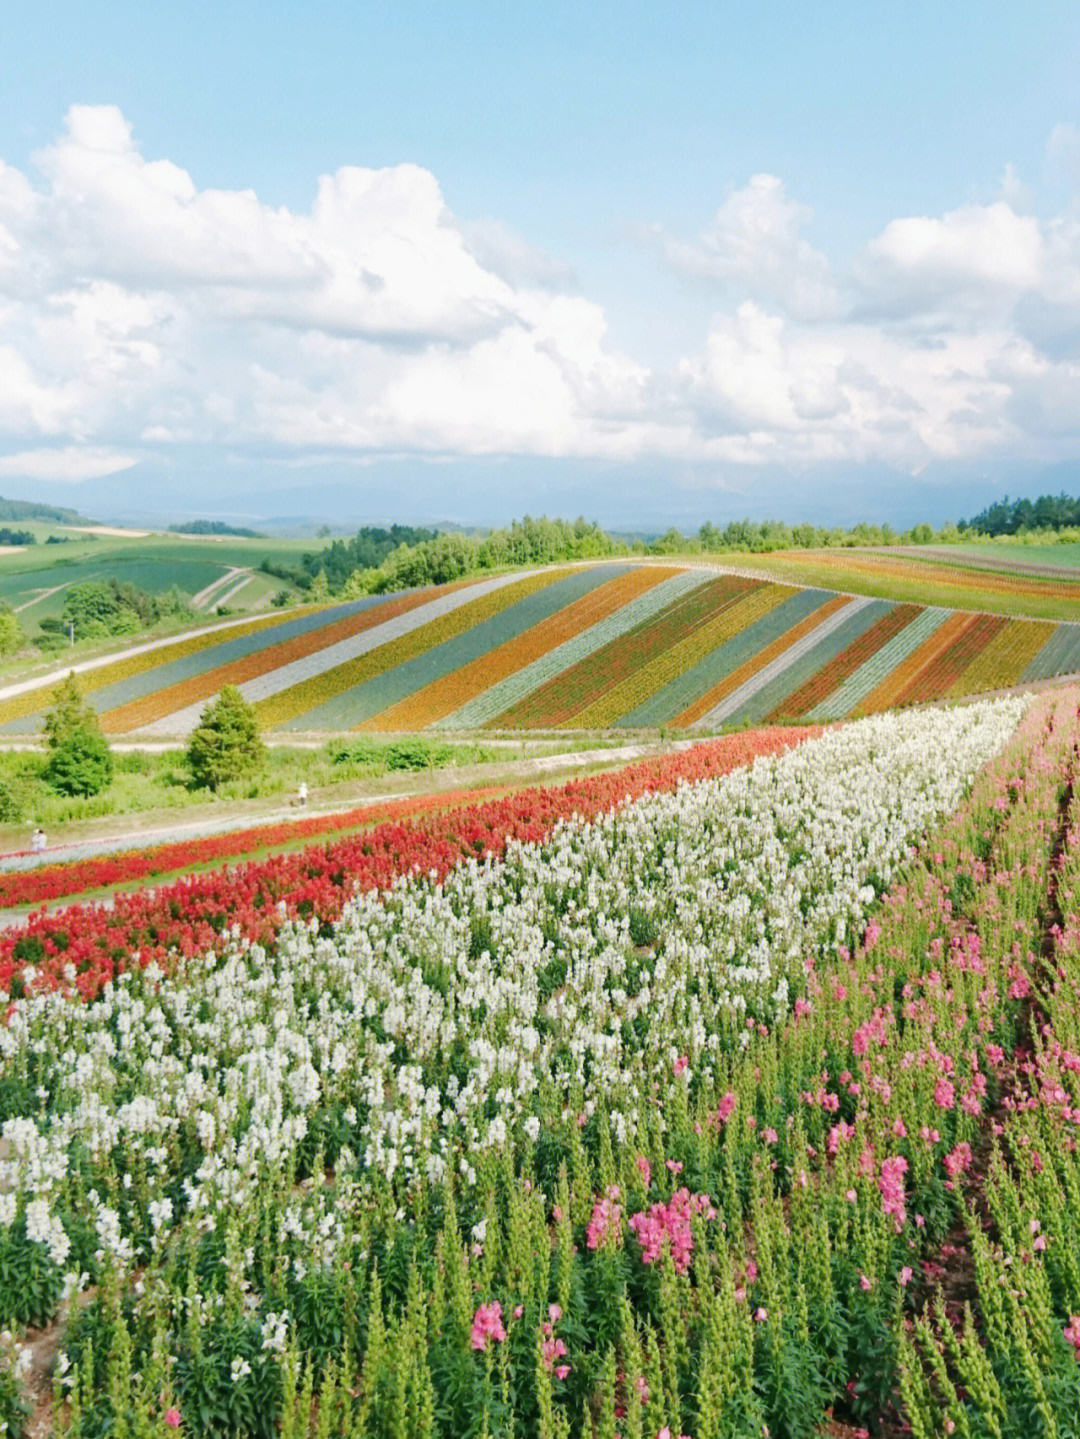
column 1013, row 517
column 379, row 561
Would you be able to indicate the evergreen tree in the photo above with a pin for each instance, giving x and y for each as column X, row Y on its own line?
column 80, row 761
column 226, row 745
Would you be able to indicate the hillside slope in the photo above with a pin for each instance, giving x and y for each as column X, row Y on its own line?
column 589, row 646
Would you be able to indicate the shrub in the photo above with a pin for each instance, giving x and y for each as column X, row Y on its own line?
column 11, row 631
column 226, row 745
column 12, row 801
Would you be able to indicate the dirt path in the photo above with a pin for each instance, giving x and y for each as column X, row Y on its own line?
column 205, row 595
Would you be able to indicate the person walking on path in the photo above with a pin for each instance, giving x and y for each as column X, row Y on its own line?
column 301, row 795
column 37, row 841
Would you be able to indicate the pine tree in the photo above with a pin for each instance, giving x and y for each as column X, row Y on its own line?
column 226, row 745
column 80, row 761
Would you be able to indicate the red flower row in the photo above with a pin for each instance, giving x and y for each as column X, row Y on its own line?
column 194, row 914
column 56, row 881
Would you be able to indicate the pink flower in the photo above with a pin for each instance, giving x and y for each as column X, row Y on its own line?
column 944, row 1094
column 561, row 1371
column 771, row 1136
column 1072, row 1332
column 172, row 1418
column 644, row 1169
column 670, row 1224
column 487, row 1324
column 680, row 1064
column 865, row 1284
column 606, row 1219
column 727, row 1104
column 519, row 1311
column 1040, row 1241
column 554, row 1313
column 891, row 1185
column 958, row 1160
column 761, row 1314
column 906, row 1275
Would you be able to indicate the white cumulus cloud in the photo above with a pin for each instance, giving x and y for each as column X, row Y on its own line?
column 140, row 312
column 755, row 237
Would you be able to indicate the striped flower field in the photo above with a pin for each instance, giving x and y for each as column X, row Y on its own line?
column 628, row 645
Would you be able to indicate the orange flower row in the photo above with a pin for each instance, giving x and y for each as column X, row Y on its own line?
column 443, row 696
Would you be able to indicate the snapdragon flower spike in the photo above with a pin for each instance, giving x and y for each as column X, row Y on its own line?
column 487, row 1324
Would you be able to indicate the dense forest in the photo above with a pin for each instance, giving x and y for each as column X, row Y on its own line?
column 1010, row 517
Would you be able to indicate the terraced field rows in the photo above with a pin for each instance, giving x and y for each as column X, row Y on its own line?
column 587, row 646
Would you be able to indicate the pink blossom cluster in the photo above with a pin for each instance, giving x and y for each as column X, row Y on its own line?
column 874, row 1030
column 552, row 1347
column 487, row 1324
column 891, row 1185
column 670, row 1223
column 726, row 1108
column 957, row 1162
column 606, row 1218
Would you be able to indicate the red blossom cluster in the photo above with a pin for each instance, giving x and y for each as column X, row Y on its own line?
column 85, row 945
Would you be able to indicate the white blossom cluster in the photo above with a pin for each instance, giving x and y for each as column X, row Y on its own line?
column 439, row 1021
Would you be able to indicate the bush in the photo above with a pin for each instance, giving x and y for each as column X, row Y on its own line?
column 11, row 631
column 12, row 801
column 80, row 761
column 81, row 765
column 226, row 745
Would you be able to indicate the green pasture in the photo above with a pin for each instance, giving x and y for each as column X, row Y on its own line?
column 34, row 580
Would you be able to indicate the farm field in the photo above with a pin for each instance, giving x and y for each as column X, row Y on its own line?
column 623, row 645
column 1009, row 555
column 994, row 578
column 33, row 581
column 729, row 1094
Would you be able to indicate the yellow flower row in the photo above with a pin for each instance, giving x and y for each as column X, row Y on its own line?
column 1005, row 657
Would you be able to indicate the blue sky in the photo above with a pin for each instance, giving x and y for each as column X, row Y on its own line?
column 457, row 261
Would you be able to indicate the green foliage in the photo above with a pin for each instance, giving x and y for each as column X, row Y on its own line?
column 31, row 510
column 82, row 765
column 99, row 609
column 12, row 637
column 9, row 536
column 80, row 761
column 30, row 1283
column 213, row 527
column 13, row 801
column 14, row 1405
column 226, row 745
